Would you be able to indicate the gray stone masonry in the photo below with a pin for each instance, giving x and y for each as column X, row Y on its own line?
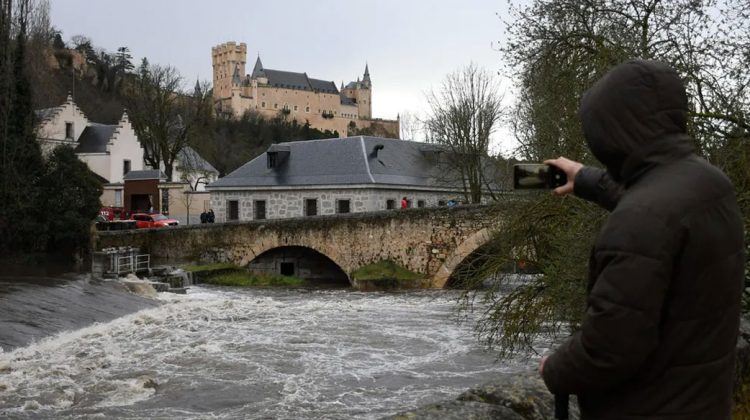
column 291, row 203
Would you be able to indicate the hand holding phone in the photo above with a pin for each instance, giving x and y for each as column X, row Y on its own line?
column 537, row 176
column 571, row 168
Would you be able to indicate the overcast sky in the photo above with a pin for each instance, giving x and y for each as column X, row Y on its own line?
column 410, row 45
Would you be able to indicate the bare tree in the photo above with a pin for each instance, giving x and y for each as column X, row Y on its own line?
column 162, row 116
column 410, row 126
column 464, row 113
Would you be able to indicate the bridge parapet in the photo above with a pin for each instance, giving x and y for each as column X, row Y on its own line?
column 431, row 241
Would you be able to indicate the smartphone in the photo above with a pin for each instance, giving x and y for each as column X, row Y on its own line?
column 529, row 176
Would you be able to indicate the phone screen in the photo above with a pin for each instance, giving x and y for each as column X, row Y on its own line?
column 529, row 176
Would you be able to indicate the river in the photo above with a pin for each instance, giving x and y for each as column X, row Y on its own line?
column 254, row 353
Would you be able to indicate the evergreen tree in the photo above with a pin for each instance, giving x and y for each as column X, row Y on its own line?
column 71, row 195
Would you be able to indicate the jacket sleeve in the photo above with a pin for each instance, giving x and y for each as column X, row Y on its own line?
column 621, row 325
column 596, row 185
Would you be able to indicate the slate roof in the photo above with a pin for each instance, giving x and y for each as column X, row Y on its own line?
column 258, row 69
column 42, row 114
column 94, row 138
column 145, row 174
column 192, row 160
column 344, row 162
column 292, row 80
column 347, row 101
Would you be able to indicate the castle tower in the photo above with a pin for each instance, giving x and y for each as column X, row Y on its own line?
column 227, row 59
column 364, row 95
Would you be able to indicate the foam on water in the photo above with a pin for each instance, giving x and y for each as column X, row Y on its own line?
column 230, row 353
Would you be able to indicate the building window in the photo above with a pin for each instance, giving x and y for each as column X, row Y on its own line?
column 125, row 166
column 342, row 206
column 275, row 106
column 233, row 210
column 262, row 104
column 272, row 159
column 295, row 107
column 420, row 203
column 307, row 109
column 165, row 201
column 259, row 209
column 390, row 204
column 311, row 207
column 441, row 202
column 69, row 131
column 118, row 198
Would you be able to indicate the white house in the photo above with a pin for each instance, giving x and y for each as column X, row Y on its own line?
column 113, row 150
column 110, row 151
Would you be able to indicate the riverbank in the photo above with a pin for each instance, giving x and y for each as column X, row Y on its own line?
column 33, row 307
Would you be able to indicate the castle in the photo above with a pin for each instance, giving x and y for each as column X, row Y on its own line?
column 296, row 96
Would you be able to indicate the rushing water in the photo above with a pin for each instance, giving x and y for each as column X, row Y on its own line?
column 253, row 353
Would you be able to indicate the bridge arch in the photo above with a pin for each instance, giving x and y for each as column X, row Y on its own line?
column 463, row 251
column 300, row 261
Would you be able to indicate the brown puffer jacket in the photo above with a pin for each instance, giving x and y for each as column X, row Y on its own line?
column 666, row 271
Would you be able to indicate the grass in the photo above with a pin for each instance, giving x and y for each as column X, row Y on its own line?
column 209, row 267
column 248, row 279
column 385, row 269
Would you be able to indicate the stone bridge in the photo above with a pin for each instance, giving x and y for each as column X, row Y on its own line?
column 429, row 241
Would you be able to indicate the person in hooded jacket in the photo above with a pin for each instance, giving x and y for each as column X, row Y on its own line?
column 666, row 271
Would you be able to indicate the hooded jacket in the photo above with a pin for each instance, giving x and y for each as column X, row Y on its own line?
column 666, row 270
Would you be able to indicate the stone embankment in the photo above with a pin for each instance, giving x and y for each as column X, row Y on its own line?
column 524, row 396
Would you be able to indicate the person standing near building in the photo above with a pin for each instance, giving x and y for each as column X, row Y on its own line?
column 667, row 268
column 211, row 217
column 404, row 203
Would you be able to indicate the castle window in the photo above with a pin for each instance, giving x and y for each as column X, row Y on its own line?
column 262, row 104
column 275, row 106
column 307, row 109
column 69, row 131
column 295, row 107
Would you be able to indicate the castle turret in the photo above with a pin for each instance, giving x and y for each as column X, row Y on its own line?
column 366, row 80
column 236, row 78
column 364, row 95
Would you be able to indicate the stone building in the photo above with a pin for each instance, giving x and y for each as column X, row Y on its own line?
column 115, row 154
column 295, row 95
column 319, row 177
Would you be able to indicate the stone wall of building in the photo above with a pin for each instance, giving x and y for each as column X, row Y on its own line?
column 281, row 204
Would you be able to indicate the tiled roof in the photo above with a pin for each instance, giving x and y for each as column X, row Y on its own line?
column 347, row 161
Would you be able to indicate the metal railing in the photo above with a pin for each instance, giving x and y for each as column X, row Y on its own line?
column 142, row 262
column 124, row 264
column 129, row 262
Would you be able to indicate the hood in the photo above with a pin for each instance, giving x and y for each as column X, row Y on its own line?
column 638, row 109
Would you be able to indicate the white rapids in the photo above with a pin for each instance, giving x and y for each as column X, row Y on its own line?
column 255, row 353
